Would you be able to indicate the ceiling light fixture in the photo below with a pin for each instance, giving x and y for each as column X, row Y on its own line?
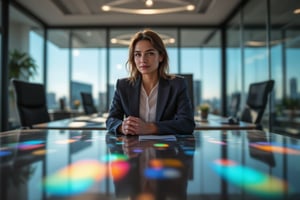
column 126, row 39
column 149, row 3
column 159, row 7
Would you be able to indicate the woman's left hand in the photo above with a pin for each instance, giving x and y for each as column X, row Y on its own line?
column 136, row 126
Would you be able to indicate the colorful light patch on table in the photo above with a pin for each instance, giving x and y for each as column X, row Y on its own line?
column 159, row 163
column 114, row 157
column 163, row 169
column 75, row 178
column 161, row 145
column 30, row 145
column 250, row 179
column 67, row 141
column 162, row 173
column 43, row 152
column 119, row 169
column 275, row 148
column 4, row 153
column 119, row 166
column 212, row 140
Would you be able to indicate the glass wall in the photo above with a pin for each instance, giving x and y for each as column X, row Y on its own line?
column 36, row 44
column 89, row 66
column 261, row 48
column 234, row 66
column 58, row 68
column 25, row 36
column 201, row 58
column 285, row 52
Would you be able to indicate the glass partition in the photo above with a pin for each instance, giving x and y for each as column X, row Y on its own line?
column 25, row 37
column 285, row 51
column 234, row 66
column 200, row 56
column 58, row 68
column 89, row 66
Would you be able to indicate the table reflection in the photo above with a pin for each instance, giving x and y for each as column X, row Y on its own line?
column 92, row 164
column 153, row 169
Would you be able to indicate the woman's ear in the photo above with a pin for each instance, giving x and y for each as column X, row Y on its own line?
column 161, row 58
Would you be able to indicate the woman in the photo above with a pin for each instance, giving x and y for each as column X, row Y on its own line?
column 151, row 100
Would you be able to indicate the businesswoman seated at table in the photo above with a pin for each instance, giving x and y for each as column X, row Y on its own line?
column 150, row 101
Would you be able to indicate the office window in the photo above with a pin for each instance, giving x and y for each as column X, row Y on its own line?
column 118, row 54
column 89, row 65
column 285, row 52
column 58, row 68
column 36, row 46
column 22, row 39
column 194, row 46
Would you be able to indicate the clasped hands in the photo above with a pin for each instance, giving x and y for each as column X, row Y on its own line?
column 136, row 126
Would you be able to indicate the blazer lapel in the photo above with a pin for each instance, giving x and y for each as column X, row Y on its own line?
column 134, row 96
column 162, row 98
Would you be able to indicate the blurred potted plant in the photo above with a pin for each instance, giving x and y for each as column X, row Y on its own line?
column 204, row 110
column 21, row 65
column 76, row 104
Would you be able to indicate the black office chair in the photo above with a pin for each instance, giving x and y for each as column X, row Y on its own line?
column 88, row 103
column 256, row 102
column 30, row 102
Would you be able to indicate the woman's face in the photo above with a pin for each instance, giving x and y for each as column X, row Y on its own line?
column 146, row 58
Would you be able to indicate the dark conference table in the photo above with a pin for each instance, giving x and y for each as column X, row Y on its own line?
column 76, row 123
column 93, row 164
column 93, row 122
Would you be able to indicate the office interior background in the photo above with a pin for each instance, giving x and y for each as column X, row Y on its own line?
column 256, row 40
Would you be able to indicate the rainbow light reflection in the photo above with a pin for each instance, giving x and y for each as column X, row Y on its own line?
column 119, row 166
column 75, row 178
column 4, row 153
column 30, row 145
column 250, row 179
column 275, row 148
column 163, row 169
column 161, row 145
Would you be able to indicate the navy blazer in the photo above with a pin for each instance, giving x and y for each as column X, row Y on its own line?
column 174, row 113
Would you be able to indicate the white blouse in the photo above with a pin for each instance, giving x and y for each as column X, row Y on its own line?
column 148, row 104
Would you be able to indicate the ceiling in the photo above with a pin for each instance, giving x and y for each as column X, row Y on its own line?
column 89, row 13
column 86, row 15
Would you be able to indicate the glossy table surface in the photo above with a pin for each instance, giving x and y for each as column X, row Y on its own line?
column 92, row 164
column 216, row 122
column 76, row 123
column 92, row 122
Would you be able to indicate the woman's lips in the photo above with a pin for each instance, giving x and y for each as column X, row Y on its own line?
column 144, row 67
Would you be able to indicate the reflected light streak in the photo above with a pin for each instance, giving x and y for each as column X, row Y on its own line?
column 250, row 179
column 269, row 147
column 75, row 178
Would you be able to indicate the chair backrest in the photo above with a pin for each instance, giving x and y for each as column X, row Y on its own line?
column 30, row 102
column 190, row 85
column 257, row 101
column 88, row 103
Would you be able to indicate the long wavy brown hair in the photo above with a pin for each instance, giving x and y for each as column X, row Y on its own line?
column 157, row 43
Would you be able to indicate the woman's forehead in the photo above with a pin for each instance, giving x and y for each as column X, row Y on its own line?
column 143, row 45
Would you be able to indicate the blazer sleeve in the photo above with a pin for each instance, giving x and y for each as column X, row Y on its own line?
column 178, row 115
column 116, row 112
